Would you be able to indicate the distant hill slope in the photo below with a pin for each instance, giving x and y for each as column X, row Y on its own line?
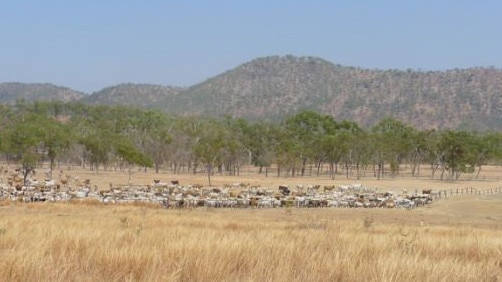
column 270, row 87
column 277, row 86
column 10, row 92
column 129, row 94
column 273, row 87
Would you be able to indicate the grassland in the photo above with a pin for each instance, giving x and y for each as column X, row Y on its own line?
column 459, row 239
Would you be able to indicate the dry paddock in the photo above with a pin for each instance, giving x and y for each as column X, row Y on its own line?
column 458, row 239
column 89, row 241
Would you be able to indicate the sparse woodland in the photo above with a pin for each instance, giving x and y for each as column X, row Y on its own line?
column 308, row 143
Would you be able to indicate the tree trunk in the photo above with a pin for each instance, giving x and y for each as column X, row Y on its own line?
column 479, row 170
column 209, row 168
column 357, row 171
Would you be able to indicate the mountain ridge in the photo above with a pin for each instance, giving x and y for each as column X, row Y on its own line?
column 277, row 86
column 10, row 92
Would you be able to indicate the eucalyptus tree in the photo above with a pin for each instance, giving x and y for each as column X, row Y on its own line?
column 419, row 151
column 486, row 147
column 259, row 139
column 130, row 154
column 436, row 157
column 307, row 129
column 456, row 149
column 99, row 130
column 494, row 140
column 152, row 130
column 24, row 140
column 188, row 133
column 357, row 153
column 80, row 124
column 336, row 143
column 234, row 149
column 179, row 153
column 287, row 152
column 392, row 142
column 129, row 129
column 209, row 145
column 57, row 138
column 328, row 127
column 98, row 146
column 95, row 133
column 6, row 121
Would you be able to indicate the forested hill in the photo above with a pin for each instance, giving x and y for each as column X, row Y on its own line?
column 277, row 86
column 10, row 92
column 129, row 94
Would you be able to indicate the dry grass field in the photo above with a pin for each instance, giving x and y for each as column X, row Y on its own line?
column 458, row 239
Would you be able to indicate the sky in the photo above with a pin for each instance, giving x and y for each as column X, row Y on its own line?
column 91, row 44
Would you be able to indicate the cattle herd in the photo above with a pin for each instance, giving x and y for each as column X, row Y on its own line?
column 237, row 195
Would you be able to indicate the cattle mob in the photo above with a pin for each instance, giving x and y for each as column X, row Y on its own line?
column 174, row 195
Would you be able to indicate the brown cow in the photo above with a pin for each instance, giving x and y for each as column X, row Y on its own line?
column 329, row 188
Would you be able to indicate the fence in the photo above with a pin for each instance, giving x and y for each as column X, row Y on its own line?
column 468, row 190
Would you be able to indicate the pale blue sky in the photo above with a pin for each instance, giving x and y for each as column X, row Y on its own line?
column 90, row 44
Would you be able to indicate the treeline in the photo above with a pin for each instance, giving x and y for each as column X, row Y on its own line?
column 115, row 137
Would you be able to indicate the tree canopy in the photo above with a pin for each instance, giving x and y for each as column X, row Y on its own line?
column 308, row 143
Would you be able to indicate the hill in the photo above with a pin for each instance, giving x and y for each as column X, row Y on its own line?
column 273, row 87
column 270, row 87
column 10, row 92
column 277, row 86
column 129, row 94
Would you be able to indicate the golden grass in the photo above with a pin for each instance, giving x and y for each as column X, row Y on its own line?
column 459, row 239
column 82, row 242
